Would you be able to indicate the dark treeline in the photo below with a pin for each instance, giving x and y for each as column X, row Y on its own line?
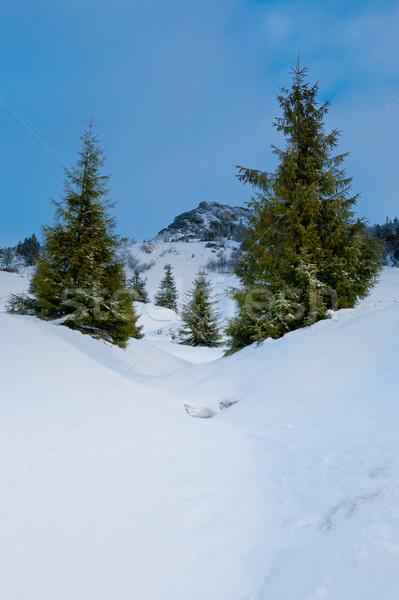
column 388, row 233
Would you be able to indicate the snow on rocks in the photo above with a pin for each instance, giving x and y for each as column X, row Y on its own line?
column 201, row 412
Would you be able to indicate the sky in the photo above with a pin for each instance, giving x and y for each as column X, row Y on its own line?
column 183, row 91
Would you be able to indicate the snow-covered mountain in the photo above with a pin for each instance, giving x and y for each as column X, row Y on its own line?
column 209, row 221
column 217, row 258
column 203, row 238
column 109, row 489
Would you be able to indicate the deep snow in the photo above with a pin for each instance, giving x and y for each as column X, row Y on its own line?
column 109, row 490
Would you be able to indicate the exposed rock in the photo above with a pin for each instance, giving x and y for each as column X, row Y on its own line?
column 209, row 221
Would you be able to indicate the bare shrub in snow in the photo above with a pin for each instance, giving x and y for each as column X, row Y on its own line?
column 223, row 263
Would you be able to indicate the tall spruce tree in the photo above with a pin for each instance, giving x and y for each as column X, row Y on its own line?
column 167, row 294
column 78, row 277
column 303, row 251
column 137, row 285
column 201, row 326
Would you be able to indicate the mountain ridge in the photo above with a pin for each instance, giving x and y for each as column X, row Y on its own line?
column 209, row 221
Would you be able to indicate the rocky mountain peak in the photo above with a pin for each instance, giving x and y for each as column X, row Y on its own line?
column 209, row 221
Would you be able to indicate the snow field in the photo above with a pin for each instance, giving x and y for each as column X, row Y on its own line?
column 108, row 489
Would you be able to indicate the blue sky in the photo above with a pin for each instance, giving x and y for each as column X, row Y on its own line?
column 184, row 91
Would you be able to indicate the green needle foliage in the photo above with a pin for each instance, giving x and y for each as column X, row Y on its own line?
column 137, row 285
column 167, row 294
column 303, row 251
column 201, row 326
column 78, row 277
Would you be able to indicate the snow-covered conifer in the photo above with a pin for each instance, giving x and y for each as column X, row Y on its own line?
column 137, row 285
column 303, row 252
column 201, row 327
column 78, row 277
column 167, row 294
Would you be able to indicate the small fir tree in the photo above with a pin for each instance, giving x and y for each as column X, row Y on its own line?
column 78, row 277
column 201, row 326
column 137, row 285
column 303, row 252
column 167, row 294
column 6, row 259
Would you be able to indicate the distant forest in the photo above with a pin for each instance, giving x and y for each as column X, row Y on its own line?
column 23, row 254
column 389, row 235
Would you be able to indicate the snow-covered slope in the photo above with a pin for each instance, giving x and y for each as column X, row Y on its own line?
column 109, row 489
column 197, row 240
column 186, row 258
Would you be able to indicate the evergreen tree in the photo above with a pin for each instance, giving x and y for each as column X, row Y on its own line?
column 78, row 277
column 137, row 285
column 167, row 294
column 201, row 326
column 6, row 259
column 303, row 251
